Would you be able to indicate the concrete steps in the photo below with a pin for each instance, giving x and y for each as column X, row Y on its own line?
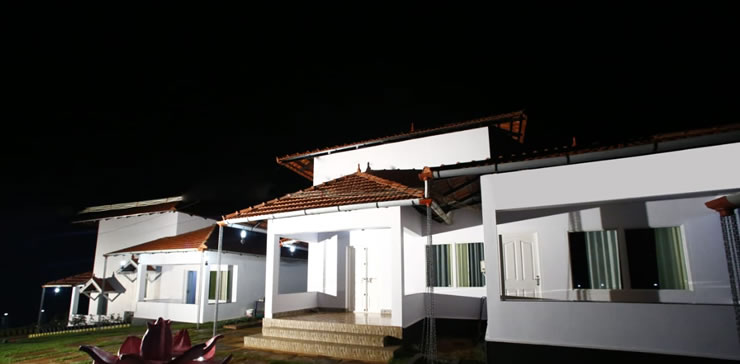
column 325, row 336
column 340, row 351
column 334, row 339
column 392, row 331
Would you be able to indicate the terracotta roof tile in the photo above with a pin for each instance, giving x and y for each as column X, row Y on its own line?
column 351, row 189
column 74, row 280
column 192, row 240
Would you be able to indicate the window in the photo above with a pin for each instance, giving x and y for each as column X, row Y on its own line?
column 442, row 264
column 594, row 260
column 655, row 259
column 227, row 278
column 457, row 265
column 468, row 261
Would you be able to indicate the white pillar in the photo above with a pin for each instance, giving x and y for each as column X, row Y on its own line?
column 272, row 272
column 396, row 257
column 74, row 303
column 141, row 279
column 491, row 248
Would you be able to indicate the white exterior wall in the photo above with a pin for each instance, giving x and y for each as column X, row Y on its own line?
column 187, row 223
column 316, row 228
column 450, row 148
column 702, row 240
column 450, row 302
column 681, row 329
column 120, row 233
column 295, row 278
column 249, row 286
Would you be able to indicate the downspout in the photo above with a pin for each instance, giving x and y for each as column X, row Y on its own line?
column 41, row 308
column 429, row 332
column 218, row 277
column 726, row 206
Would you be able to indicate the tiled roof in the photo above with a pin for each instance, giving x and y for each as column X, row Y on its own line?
column 702, row 137
column 192, row 240
column 514, row 124
column 355, row 188
column 74, row 280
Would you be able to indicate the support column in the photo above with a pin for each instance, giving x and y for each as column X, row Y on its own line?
column 272, row 272
column 41, row 307
column 142, row 279
column 74, row 302
column 218, row 277
column 396, row 256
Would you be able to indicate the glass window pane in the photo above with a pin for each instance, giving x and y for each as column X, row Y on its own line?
column 468, row 265
column 441, row 261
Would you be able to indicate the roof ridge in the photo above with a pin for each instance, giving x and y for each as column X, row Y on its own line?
column 287, row 195
column 415, row 132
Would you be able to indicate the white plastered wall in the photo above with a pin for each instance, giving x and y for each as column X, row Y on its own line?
column 461, row 146
column 682, row 329
column 120, row 233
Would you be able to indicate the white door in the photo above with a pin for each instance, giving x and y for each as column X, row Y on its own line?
column 521, row 265
column 367, row 284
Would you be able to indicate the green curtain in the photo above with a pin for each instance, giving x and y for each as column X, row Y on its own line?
column 225, row 293
column 671, row 259
column 468, row 260
column 441, row 261
column 603, row 259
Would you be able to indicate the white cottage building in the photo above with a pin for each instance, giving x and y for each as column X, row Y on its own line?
column 154, row 260
column 567, row 252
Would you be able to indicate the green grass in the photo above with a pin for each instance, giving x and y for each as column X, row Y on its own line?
column 64, row 348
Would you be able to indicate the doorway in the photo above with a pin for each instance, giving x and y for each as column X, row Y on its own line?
column 520, row 265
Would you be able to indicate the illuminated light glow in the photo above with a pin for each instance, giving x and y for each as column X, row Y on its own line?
column 292, row 248
column 123, row 262
column 56, row 290
column 243, row 234
column 5, row 314
column 42, row 310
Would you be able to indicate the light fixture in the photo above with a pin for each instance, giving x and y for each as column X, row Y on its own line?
column 42, row 310
column 56, row 290
column 243, row 234
column 123, row 262
column 292, row 248
column 5, row 314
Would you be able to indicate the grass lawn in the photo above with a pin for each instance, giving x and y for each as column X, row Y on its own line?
column 64, row 348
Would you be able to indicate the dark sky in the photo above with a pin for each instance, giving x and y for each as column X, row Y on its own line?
column 104, row 111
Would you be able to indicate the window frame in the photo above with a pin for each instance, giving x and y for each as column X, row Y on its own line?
column 454, row 279
column 624, row 266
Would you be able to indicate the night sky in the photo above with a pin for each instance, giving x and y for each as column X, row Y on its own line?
column 102, row 111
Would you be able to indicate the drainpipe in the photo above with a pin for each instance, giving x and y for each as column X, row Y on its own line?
column 726, row 206
column 218, row 277
column 429, row 330
column 41, row 308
